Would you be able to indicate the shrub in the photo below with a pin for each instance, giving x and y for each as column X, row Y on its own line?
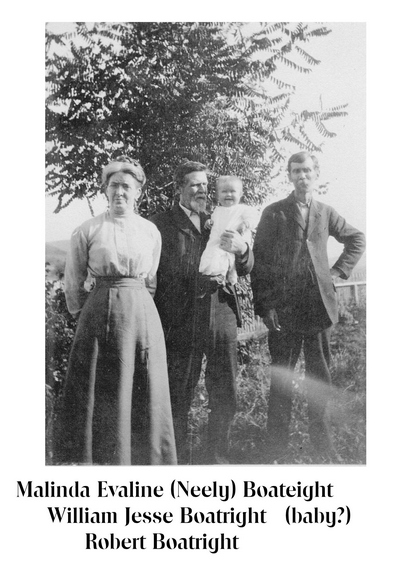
column 60, row 329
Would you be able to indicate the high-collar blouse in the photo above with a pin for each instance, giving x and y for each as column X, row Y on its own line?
column 104, row 246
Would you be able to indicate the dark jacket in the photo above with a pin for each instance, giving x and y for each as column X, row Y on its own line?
column 279, row 248
column 178, row 277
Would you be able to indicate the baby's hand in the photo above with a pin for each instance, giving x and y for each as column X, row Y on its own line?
column 208, row 224
column 243, row 227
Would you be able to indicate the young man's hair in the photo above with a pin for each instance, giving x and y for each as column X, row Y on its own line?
column 301, row 157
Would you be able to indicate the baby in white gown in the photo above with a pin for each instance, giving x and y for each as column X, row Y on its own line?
column 229, row 215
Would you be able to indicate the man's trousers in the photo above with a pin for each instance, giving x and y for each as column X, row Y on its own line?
column 285, row 349
column 211, row 332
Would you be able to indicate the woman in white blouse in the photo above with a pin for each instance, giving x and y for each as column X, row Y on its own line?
column 116, row 406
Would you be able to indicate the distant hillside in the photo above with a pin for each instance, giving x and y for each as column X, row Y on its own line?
column 56, row 252
column 62, row 245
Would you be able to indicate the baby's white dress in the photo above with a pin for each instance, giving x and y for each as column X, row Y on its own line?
column 214, row 260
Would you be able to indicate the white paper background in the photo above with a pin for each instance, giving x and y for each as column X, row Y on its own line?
column 370, row 491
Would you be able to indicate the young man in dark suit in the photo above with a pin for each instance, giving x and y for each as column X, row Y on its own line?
column 198, row 315
column 294, row 293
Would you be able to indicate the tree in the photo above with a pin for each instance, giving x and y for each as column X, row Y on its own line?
column 162, row 92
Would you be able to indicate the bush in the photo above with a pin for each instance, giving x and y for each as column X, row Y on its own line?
column 60, row 330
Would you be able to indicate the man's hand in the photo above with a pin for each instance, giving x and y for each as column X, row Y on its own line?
column 335, row 274
column 233, row 242
column 206, row 285
column 271, row 320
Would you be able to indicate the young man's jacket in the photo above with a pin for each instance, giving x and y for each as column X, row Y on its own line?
column 281, row 243
column 179, row 282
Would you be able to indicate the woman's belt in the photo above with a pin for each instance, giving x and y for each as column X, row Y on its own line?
column 120, row 282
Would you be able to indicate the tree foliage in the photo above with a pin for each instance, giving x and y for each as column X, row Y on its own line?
column 163, row 92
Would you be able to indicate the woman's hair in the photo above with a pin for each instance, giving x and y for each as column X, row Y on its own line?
column 123, row 164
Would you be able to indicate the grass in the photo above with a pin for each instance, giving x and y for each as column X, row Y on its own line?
column 347, row 407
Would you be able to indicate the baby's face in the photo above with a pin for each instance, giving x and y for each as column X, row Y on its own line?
column 229, row 194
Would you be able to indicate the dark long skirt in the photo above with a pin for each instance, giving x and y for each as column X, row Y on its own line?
column 116, row 405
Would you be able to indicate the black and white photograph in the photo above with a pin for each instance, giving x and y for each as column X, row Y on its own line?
column 210, row 308
column 210, row 372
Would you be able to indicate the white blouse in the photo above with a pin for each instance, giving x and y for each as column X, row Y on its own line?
column 126, row 246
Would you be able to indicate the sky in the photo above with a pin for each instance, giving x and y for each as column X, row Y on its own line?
column 339, row 79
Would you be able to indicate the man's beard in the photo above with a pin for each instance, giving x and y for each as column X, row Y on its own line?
column 199, row 205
